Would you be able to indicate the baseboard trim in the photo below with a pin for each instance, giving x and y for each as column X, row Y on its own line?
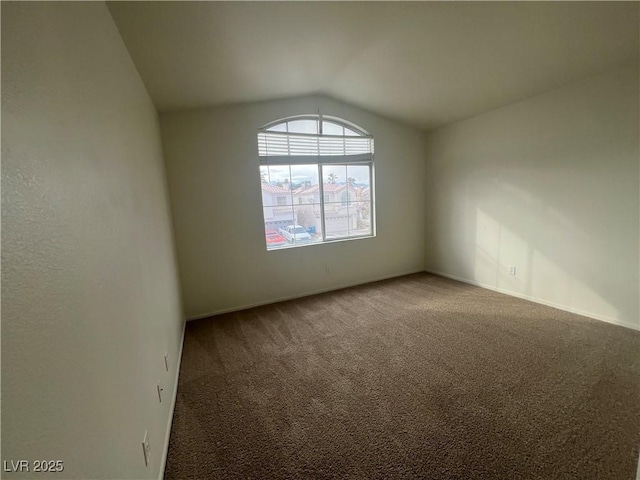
column 301, row 295
column 595, row 316
column 165, row 452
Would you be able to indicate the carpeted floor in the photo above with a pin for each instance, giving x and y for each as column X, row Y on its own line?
column 414, row 377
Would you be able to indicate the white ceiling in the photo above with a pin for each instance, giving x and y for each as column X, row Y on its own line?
column 424, row 63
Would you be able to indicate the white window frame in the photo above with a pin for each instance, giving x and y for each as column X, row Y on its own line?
column 355, row 157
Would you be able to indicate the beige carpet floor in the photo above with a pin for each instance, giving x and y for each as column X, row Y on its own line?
column 414, row 377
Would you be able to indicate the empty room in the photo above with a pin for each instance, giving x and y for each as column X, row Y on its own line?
column 291, row 240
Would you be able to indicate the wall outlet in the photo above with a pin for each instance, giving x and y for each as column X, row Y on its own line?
column 328, row 270
column 512, row 270
column 166, row 361
column 146, row 450
column 160, row 390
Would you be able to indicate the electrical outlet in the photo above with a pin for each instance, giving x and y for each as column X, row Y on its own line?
column 328, row 270
column 166, row 361
column 146, row 450
column 160, row 390
column 512, row 270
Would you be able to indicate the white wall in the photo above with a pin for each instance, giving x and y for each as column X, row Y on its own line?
column 214, row 181
column 549, row 185
column 90, row 297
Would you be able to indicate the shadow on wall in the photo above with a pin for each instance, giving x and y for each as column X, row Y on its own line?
column 556, row 259
column 534, row 274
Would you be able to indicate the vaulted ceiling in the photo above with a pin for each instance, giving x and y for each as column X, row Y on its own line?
column 423, row 63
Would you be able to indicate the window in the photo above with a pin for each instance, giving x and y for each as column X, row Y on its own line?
column 323, row 169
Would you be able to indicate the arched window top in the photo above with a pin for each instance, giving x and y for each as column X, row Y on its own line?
column 317, row 181
column 313, row 136
column 316, row 125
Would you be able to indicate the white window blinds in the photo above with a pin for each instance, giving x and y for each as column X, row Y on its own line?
column 296, row 144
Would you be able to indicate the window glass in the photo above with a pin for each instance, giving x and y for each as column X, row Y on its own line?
column 360, row 199
column 330, row 128
column 303, row 126
column 327, row 197
column 281, row 127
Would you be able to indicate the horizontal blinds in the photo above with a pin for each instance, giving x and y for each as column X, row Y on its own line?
column 280, row 144
column 365, row 158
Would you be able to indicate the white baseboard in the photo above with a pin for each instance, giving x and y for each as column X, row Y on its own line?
column 595, row 316
column 301, row 295
column 163, row 462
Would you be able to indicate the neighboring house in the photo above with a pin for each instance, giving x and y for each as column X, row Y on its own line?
column 278, row 207
column 335, row 196
column 363, row 194
column 275, row 196
column 345, row 207
column 339, row 200
column 363, row 197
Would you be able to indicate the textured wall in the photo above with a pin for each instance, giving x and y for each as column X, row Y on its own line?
column 549, row 185
column 214, row 181
column 90, row 298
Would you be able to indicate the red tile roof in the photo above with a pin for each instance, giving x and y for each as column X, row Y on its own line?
column 267, row 187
